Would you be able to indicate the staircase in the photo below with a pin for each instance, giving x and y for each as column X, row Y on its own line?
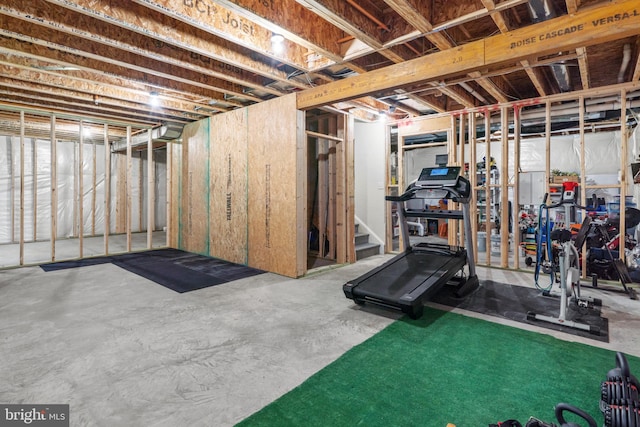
column 365, row 249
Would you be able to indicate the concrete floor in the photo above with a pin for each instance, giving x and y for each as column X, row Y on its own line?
column 124, row 351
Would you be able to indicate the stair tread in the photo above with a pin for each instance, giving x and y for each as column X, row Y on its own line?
column 367, row 245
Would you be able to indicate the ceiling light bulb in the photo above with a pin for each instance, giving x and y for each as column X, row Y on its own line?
column 277, row 38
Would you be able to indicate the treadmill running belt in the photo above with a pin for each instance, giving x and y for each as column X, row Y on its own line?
column 408, row 273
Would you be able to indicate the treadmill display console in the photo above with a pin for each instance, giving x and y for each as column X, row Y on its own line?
column 440, row 176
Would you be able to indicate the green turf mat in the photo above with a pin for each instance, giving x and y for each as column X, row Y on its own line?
column 447, row 368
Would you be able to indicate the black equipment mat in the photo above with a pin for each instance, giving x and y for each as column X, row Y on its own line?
column 172, row 268
column 513, row 302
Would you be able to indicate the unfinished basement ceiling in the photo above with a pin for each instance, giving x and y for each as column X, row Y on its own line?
column 152, row 62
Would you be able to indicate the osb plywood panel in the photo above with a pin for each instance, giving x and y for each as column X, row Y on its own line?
column 194, row 198
column 276, row 214
column 228, row 180
column 174, row 173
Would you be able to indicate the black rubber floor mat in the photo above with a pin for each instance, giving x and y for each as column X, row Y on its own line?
column 172, row 268
column 514, row 302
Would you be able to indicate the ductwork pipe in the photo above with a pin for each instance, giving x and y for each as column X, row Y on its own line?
column 626, row 56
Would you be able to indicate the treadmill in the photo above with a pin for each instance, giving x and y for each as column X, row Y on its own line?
column 409, row 279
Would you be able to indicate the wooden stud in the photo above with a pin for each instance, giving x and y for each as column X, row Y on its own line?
column 461, row 161
column 94, row 184
column 349, row 141
column 107, row 188
column 547, row 137
column 54, row 187
column 487, row 187
column 151, row 194
column 332, row 189
column 34, row 188
column 21, row 218
column 140, row 191
column 516, row 187
column 504, row 188
column 342, row 234
column 129, row 183
column 473, row 178
column 81, row 189
column 322, row 150
column 624, row 164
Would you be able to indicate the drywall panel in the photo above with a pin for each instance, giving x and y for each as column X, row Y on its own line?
column 194, row 198
column 228, row 180
column 276, row 191
column 370, row 174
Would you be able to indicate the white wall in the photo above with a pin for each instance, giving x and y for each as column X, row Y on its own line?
column 369, row 168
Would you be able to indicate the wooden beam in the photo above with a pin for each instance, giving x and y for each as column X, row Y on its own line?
column 291, row 19
column 497, row 17
column 572, row 5
column 90, row 88
column 535, row 76
column 488, row 85
column 415, row 12
column 436, row 65
column 227, row 24
column 42, row 97
column 171, row 36
column 131, row 69
column 343, row 16
column 598, row 25
column 583, row 65
column 454, row 92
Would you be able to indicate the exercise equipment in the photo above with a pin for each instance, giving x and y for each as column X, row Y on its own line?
column 619, row 401
column 412, row 277
column 567, row 264
column 559, row 410
column 608, row 265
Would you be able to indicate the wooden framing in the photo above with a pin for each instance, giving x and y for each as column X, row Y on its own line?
column 509, row 167
column 151, row 194
column 54, row 187
column 80, row 200
column 127, row 186
column 22, row 172
column 520, row 44
column 107, row 188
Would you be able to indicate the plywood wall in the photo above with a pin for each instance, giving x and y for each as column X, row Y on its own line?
column 277, row 187
column 194, row 197
column 239, row 182
column 174, row 186
column 228, row 178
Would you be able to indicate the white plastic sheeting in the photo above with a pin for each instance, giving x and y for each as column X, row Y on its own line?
column 602, row 158
column 38, row 183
